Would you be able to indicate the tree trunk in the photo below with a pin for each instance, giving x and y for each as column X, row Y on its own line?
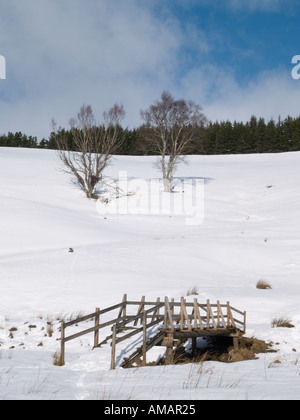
column 167, row 186
column 166, row 175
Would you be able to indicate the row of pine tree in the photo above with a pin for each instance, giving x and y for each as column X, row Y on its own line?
column 255, row 136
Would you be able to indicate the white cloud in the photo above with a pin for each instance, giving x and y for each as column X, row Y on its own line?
column 270, row 95
column 61, row 54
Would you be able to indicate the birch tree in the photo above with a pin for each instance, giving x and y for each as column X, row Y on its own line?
column 171, row 126
column 93, row 145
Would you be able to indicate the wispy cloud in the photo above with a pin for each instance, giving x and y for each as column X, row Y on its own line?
column 269, row 95
column 61, row 54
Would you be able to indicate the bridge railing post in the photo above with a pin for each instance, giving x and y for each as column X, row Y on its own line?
column 228, row 315
column 122, row 311
column 168, row 315
column 144, row 320
column 62, row 344
column 113, row 348
column 96, row 332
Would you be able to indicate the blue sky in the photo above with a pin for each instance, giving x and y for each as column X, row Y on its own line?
column 233, row 57
column 249, row 39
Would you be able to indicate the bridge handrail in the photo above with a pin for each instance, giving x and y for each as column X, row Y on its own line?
column 216, row 316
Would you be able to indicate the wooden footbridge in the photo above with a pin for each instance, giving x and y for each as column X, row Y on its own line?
column 158, row 323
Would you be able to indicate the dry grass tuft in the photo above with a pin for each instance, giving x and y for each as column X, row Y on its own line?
column 263, row 285
column 193, row 291
column 57, row 359
column 282, row 322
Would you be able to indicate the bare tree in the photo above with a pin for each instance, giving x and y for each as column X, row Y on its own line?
column 171, row 126
column 93, row 145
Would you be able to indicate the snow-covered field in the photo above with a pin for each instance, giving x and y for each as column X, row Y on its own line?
column 250, row 231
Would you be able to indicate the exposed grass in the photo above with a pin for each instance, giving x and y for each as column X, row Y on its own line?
column 50, row 329
column 57, row 358
column 221, row 349
column 66, row 317
column 193, row 291
column 263, row 285
column 282, row 322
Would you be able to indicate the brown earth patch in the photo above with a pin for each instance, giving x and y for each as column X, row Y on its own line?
column 222, row 349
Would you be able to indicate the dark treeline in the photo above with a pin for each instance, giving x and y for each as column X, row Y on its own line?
column 255, row 136
column 18, row 140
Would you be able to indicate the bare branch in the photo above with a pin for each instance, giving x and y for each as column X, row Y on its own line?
column 171, row 126
column 93, row 145
column 114, row 116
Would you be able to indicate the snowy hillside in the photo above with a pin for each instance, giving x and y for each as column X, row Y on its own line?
column 250, row 232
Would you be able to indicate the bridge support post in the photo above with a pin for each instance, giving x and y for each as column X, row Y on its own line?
column 194, row 346
column 235, row 343
column 169, row 343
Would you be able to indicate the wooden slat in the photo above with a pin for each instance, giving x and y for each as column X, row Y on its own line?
column 138, row 330
column 129, row 319
column 140, row 310
column 236, row 310
column 198, row 316
column 90, row 330
column 156, row 312
column 230, row 317
column 220, row 315
column 168, row 314
column 128, row 361
column 137, row 303
column 122, row 311
column 185, row 314
column 181, row 314
column 91, row 316
column 210, row 315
